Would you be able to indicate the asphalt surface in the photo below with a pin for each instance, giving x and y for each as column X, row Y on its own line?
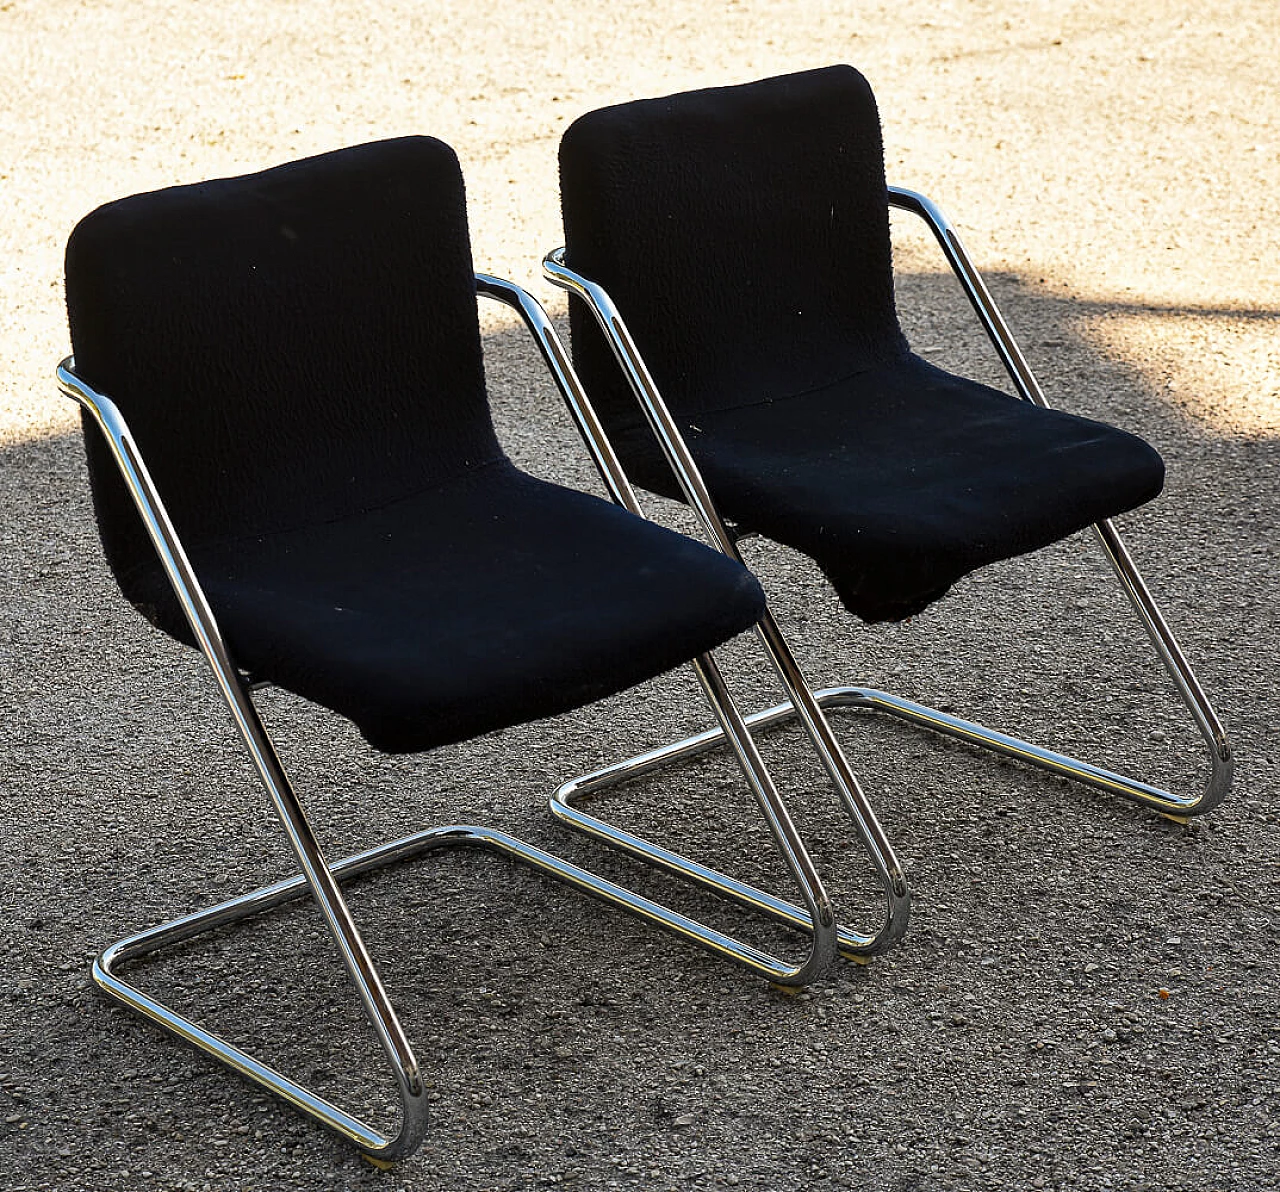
column 1087, row 994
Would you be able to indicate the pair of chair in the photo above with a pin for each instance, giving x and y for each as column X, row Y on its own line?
column 308, row 487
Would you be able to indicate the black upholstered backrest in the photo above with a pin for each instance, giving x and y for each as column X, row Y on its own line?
column 288, row 347
column 743, row 233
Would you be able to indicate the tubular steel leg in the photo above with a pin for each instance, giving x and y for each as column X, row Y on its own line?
column 1162, row 638
column 821, row 918
column 854, row 801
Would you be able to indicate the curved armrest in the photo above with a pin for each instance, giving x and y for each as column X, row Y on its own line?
column 975, row 289
column 173, row 557
column 538, row 324
column 656, row 413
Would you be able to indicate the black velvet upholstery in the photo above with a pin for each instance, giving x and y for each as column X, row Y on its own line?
column 297, row 353
column 743, row 233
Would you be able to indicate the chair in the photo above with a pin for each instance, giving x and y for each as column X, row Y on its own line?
column 309, row 489
column 728, row 253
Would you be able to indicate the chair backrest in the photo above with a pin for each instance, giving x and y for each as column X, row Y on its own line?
column 743, row 233
column 288, row 347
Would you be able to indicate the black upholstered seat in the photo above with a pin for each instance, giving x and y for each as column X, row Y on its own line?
column 742, row 233
column 489, row 601
column 311, row 404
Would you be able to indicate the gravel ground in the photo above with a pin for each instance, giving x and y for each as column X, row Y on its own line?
column 1087, row 995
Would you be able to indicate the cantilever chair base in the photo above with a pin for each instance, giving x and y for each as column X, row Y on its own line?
column 106, row 969
column 853, row 945
column 1178, row 808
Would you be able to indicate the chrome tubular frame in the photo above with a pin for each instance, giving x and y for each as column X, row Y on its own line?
column 318, row 875
column 1221, row 760
column 888, row 870
column 321, row 880
column 1178, row 807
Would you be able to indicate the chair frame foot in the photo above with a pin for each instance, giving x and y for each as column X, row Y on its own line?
column 377, row 1147
column 1173, row 806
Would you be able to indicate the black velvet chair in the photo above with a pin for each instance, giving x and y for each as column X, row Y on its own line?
column 729, row 252
column 324, row 506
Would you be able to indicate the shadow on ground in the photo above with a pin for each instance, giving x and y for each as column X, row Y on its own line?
column 1048, row 919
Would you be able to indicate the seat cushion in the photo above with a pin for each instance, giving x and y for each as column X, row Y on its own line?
column 486, row 602
column 901, row 479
